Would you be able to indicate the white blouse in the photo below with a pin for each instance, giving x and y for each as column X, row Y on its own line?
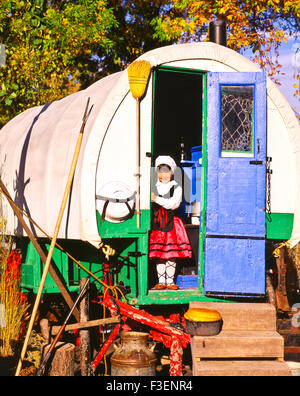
column 169, row 203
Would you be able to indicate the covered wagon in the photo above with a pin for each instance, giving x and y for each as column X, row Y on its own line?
column 236, row 142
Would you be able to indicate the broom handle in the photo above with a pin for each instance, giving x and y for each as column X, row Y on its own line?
column 53, row 242
column 138, row 165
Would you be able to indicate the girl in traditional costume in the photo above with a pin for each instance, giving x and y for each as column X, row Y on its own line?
column 168, row 239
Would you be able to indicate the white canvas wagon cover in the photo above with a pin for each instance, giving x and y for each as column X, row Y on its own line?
column 37, row 146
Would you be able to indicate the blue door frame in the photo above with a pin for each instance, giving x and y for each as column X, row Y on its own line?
column 236, row 171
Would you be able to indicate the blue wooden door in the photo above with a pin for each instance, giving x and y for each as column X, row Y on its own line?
column 236, row 172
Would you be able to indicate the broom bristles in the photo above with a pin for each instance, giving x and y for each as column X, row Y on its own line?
column 138, row 74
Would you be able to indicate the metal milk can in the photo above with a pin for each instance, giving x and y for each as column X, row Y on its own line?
column 133, row 357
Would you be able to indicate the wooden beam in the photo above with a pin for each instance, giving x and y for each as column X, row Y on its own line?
column 85, row 325
column 292, row 349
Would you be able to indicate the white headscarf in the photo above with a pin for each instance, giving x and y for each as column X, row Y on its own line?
column 165, row 160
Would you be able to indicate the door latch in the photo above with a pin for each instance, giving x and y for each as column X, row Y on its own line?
column 256, row 162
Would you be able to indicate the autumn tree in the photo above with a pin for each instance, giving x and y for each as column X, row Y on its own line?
column 49, row 49
column 258, row 25
column 56, row 47
column 135, row 31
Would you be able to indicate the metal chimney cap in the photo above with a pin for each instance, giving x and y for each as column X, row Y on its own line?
column 217, row 32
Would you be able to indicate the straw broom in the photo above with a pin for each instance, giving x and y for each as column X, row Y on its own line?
column 138, row 75
column 53, row 242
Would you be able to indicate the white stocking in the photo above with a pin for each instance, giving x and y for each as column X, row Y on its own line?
column 161, row 273
column 170, row 271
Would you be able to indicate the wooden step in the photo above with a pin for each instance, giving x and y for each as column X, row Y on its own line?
column 248, row 334
column 243, row 316
column 241, row 368
column 239, row 344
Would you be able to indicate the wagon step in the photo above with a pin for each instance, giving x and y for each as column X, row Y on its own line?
column 243, row 316
column 239, row 344
column 241, row 368
column 248, row 344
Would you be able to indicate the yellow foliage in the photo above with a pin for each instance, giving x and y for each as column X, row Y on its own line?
column 250, row 25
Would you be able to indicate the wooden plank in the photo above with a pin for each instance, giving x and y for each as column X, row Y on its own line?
column 241, row 368
column 292, row 349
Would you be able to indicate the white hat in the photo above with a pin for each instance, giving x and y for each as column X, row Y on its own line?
column 165, row 160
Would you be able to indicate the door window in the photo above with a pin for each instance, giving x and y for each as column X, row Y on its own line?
column 237, row 105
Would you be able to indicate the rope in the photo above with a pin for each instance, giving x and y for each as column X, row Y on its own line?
column 276, row 252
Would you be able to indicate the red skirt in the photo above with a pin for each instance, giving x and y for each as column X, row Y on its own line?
column 171, row 244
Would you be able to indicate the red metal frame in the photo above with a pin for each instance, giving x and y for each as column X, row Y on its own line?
column 106, row 345
column 164, row 332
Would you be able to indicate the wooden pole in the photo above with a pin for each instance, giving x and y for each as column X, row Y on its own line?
column 43, row 257
column 53, row 242
column 84, row 334
column 138, row 165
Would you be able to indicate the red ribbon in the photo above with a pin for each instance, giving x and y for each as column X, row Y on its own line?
column 161, row 217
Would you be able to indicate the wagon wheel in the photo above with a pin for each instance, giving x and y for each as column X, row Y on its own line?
column 271, row 296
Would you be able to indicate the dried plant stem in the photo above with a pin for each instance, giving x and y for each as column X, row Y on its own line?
column 11, row 299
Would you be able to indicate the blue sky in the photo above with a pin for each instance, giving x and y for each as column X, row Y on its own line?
column 289, row 58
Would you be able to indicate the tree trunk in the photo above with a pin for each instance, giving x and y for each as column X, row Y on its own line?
column 61, row 364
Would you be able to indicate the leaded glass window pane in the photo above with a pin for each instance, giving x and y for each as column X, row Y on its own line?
column 237, row 103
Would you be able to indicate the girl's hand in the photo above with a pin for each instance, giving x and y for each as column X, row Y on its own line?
column 153, row 197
